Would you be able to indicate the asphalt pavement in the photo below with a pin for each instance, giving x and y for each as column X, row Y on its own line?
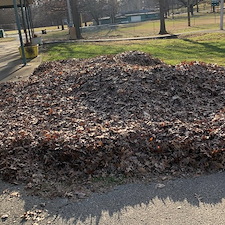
column 199, row 200
column 11, row 64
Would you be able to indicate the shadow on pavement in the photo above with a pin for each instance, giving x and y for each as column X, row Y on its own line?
column 12, row 67
column 99, row 208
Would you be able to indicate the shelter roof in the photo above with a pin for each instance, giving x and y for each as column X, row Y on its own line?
column 9, row 3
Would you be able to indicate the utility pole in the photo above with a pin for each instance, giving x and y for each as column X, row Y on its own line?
column 76, row 18
column 221, row 14
column 69, row 13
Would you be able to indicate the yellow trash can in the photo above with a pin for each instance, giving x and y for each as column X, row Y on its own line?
column 30, row 51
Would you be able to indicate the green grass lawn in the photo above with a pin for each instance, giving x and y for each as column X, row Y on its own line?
column 204, row 47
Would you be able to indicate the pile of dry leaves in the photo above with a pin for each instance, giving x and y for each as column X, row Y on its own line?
column 129, row 114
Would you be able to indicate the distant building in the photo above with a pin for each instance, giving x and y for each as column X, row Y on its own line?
column 131, row 18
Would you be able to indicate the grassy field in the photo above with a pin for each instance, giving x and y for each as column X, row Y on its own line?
column 201, row 21
column 10, row 32
column 178, row 24
column 6, row 39
column 206, row 47
column 175, row 24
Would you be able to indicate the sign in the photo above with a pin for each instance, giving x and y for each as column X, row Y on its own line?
column 215, row 2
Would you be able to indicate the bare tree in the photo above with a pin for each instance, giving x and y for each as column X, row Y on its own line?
column 189, row 4
column 162, row 17
column 188, row 13
column 76, row 17
column 112, row 9
column 49, row 12
column 94, row 7
column 131, row 5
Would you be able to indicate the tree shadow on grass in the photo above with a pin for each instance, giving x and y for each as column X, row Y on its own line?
column 212, row 48
column 71, row 52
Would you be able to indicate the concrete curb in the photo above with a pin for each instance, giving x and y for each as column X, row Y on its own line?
column 166, row 36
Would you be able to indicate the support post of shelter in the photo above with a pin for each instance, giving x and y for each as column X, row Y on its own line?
column 19, row 30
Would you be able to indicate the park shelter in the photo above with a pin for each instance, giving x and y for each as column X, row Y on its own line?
column 10, row 4
column 131, row 18
column 139, row 17
column 26, row 19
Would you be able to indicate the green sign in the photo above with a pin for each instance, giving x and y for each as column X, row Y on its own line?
column 215, row 3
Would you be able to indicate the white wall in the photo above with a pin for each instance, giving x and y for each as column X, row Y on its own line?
column 135, row 18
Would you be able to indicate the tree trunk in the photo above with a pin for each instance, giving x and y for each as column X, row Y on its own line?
column 95, row 17
column 76, row 18
column 197, row 6
column 192, row 10
column 188, row 13
column 162, row 18
column 97, row 21
column 113, row 19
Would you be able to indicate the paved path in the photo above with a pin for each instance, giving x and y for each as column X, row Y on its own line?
column 9, row 58
column 11, row 65
column 194, row 201
column 165, row 36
